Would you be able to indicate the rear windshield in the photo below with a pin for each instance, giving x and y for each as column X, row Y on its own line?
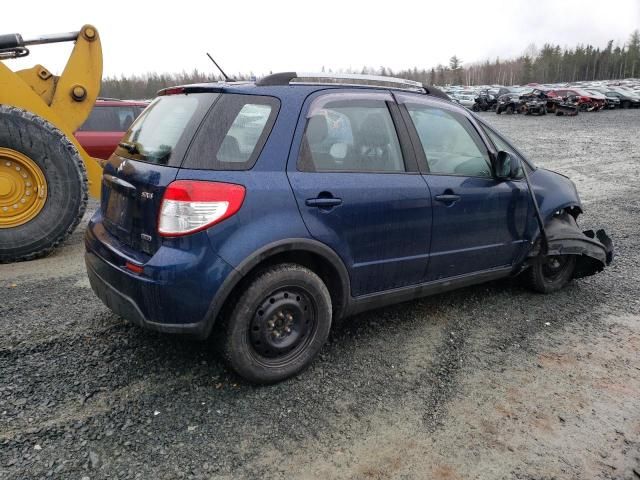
column 162, row 133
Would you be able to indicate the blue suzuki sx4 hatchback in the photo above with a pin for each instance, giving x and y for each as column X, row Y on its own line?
column 260, row 212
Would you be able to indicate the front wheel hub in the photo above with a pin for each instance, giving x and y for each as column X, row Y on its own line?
column 554, row 266
column 283, row 324
column 23, row 189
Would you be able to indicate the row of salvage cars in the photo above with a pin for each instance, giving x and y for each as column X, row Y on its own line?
column 537, row 99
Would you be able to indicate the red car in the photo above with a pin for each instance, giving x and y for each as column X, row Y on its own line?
column 586, row 101
column 106, row 125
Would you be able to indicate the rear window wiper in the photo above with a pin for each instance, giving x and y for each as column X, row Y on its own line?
column 132, row 148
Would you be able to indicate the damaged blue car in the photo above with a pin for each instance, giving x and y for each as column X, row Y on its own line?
column 261, row 212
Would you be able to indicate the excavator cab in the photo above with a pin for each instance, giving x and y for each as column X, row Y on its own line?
column 45, row 175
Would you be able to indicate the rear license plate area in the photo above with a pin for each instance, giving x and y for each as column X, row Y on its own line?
column 118, row 211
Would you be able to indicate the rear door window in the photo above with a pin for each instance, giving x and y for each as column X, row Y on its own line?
column 351, row 133
column 233, row 133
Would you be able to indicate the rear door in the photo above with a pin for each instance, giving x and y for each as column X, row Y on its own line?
column 478, row 221
column 357, row 186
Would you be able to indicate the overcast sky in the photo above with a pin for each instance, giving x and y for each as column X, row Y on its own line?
column 260, row 36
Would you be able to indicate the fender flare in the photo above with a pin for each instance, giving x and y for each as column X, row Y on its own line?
column 264, row 253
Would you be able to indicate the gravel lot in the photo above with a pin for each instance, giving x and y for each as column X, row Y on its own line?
column 487, row 382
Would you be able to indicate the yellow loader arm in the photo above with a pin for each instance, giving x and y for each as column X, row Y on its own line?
column 65, row 101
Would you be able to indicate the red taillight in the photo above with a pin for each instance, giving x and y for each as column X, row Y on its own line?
column 132, row 267
column 189, row 206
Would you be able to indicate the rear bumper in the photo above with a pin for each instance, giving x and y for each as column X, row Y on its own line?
column 127, row 307
column 173, row 294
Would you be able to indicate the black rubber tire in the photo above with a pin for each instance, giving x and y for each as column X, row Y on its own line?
column 509, row 110
column 538, row 280
column 626, row 104
column 236, row 344
column 66, row 178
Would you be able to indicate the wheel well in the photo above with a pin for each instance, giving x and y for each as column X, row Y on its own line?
column 316, row 263
column 574, row 211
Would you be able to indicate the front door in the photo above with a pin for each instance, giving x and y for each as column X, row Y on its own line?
column 478, row 221
column 359, row 191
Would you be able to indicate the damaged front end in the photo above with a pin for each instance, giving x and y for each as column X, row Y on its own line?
column 593, row 250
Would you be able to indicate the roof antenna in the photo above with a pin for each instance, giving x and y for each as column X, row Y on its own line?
column 226, row 77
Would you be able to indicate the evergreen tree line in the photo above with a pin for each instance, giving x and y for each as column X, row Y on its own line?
column 549, row 64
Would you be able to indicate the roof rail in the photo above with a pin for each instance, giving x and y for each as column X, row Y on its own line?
column 349, row 79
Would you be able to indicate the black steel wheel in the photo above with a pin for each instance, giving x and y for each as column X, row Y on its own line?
column 283, row 326
column 278, row 324
column 551, row 273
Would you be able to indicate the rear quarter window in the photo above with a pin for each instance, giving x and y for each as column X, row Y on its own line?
column 233, row 133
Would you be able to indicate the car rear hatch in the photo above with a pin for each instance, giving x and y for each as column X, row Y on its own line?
column 147, row 161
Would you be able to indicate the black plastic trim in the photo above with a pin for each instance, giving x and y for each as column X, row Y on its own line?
column 405, row 294
column 127, row 308
column 282, row 78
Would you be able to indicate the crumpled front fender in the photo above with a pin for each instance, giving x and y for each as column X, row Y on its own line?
column 594, row 249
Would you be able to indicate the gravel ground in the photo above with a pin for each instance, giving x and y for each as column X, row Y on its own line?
column 486, row 382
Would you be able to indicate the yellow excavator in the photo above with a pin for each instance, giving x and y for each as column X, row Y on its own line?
column 45, row 175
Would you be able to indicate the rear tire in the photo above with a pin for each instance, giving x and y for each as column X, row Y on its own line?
column 66, row 198
column 278, row 324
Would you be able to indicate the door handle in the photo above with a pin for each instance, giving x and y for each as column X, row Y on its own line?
column 323, row 202
column 448, row 198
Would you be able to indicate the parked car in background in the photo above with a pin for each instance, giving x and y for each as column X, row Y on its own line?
column 508, row 103
column 106, row 125
column 628, row 98
column 260, row 213
column 466, row 100
column 533, row 103
column 611, row 101
column 587, row 102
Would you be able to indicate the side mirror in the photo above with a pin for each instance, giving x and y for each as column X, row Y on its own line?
column 506, row 166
